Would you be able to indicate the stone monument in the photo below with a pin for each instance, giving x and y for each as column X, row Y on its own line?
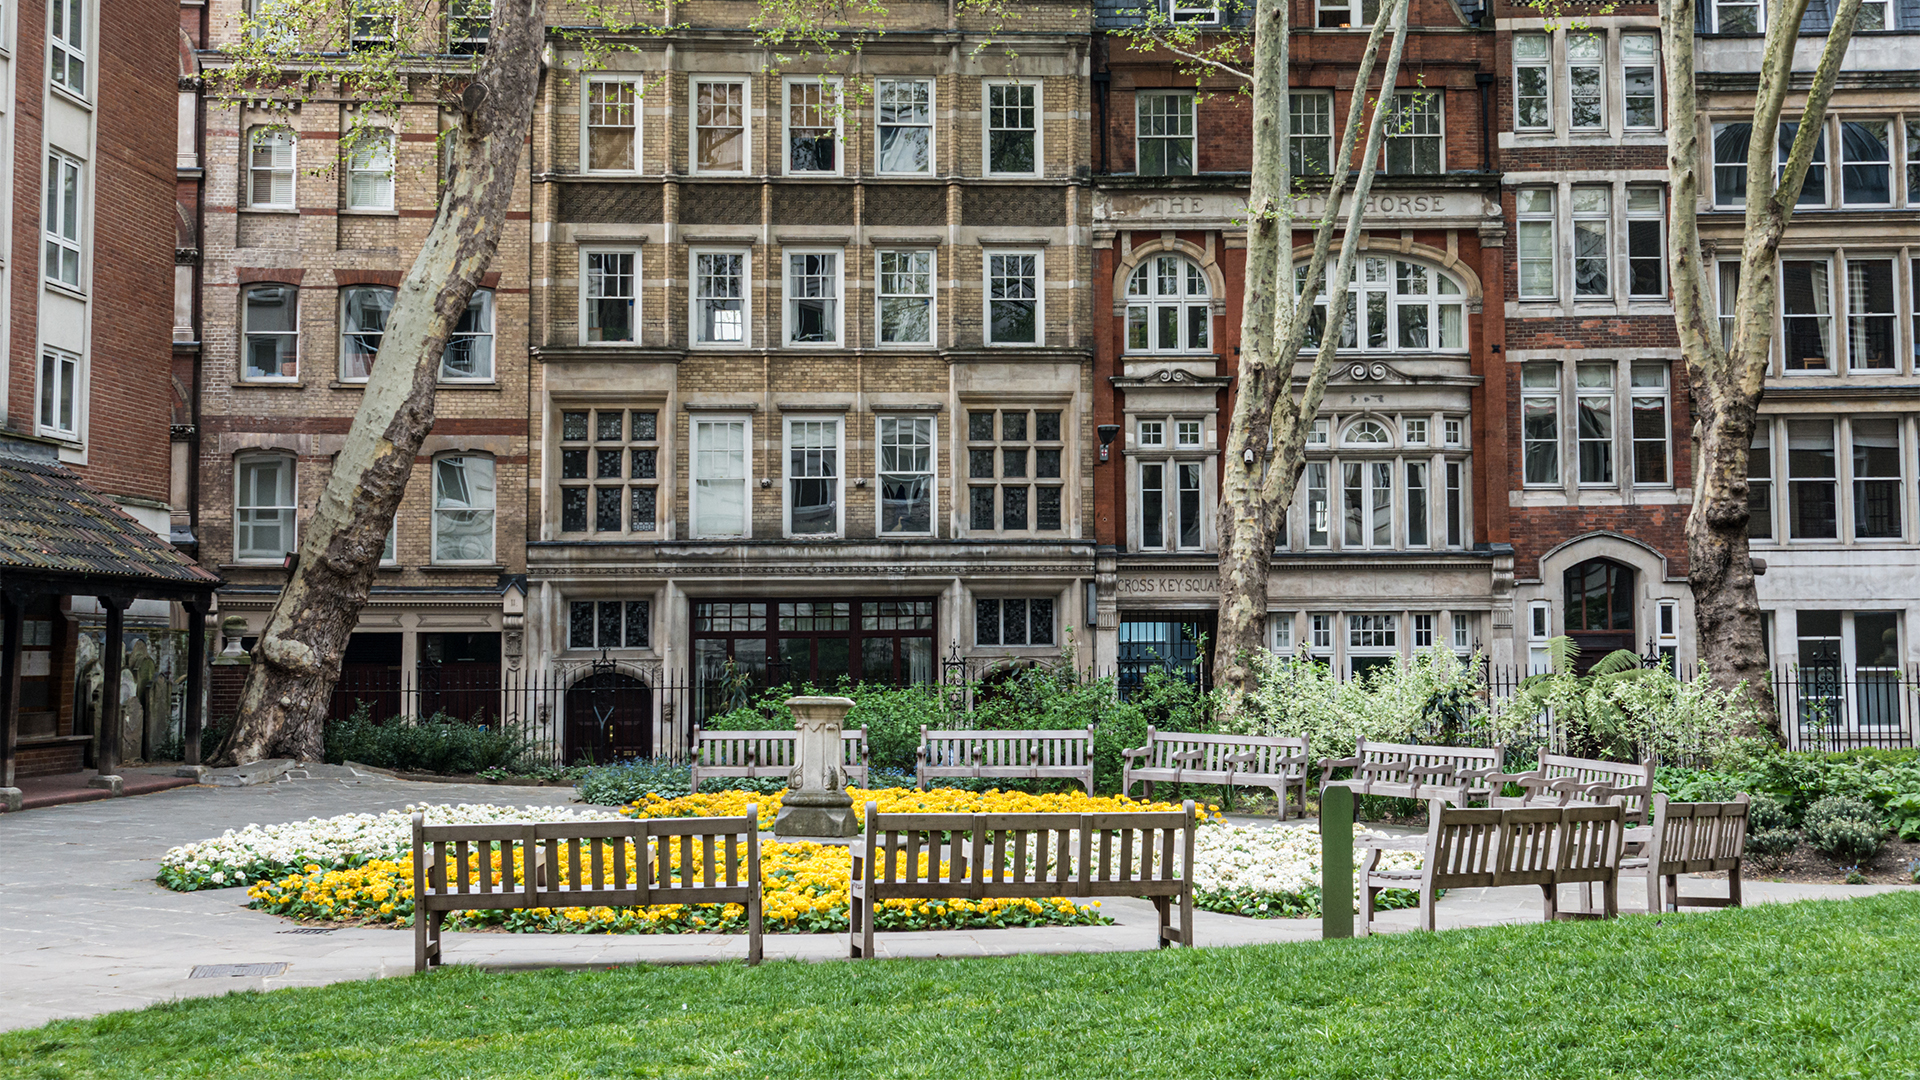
column 817, row 803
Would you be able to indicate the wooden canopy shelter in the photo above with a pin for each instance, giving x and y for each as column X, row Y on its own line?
column 60, row 537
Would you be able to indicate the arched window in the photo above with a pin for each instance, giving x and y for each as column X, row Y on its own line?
column 1394, row 305
column 1367, row 433
column 1167, row 308
column 463, row 508
column 363, row 322
column 469, row 355
column 270, row 168
column 1600, row 607
column 271, row 325
column 263, row 507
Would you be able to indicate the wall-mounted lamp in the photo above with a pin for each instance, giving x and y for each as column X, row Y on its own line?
column 1247, row 456
column 1108, row 433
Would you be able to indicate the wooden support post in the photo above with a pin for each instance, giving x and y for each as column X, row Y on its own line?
column 1336, row 863
column 107, row 736
column 196, row 681
column 10, row 797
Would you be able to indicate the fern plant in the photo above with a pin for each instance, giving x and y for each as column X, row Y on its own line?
column 1590, row 708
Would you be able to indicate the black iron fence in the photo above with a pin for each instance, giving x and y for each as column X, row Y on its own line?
column 608, row 713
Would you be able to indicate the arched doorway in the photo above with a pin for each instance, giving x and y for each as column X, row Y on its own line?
column 1600, row 606
column 609, row 718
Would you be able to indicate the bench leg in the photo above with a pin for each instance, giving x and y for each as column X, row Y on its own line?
column 419, row 938
column 1186, row 917
column 755, row 920
column 1426, row 908
column 1552, row 897
column 1610, row 895
column 855, row 920
column 1163, row 905
column 1733, row 885
column 1673, row 892
column 1367, row 895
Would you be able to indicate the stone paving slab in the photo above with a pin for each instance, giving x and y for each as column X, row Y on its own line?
column 86, row 930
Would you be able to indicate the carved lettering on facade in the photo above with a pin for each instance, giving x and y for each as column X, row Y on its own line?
column 1170, row 586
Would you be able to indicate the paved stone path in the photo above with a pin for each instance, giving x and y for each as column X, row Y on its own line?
column 86, row 930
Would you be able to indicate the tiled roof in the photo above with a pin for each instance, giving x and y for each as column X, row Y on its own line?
column 51, row 522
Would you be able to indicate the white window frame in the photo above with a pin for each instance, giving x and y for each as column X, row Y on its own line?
column 585, row 300
column 1317, row 503
column 247, row 332
column 67, row 46
column 1462, row 635
column 880, row 127
column 1151, row 434
column 1854, row 491
column 482, row 301
column 1656, row 217
column 1638, row 393
column 1539, row 632
column 344, row 332
column 1280, row 632
column 587, row 126
column 694, row 127
column 1831, row 316
column 65, row 222
column 1758, row 7
column 1194, row 12
column 1453, row 431
column 1542, row 63
column 1370, row 467
column 1598, row 65
column 1325, row 11
column 837, row 424
column 491, row 510
column 1550, row 395
column 469, row 24
column 255, row 136
column 63, row 372
column 694, row 477
column 288, row 510
column 1885, row 163
column 1188, row 117
column 1608, row 398
column 931, row 472
column 1413, row 430
column 1533, row 219
column 931, row 296
column 1039, row 126
column 787, row 86
column 789, row 299
column 1377, row 280
column 1039, row 256
column 1186, row 303
column 1298, row 142
column 1912, row 158
column 1420, row 629
column 1659, row 101
column 1402, row 100
column 1856, row 319
column 372, row 157
column 695, row 323
column 1589, row 222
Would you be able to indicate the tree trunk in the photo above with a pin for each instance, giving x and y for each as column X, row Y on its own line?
column 1267, row 436
column 297, row 659
column 1729, row 378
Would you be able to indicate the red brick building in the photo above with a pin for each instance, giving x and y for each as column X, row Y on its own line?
column 87, row 313
column 1398, row 538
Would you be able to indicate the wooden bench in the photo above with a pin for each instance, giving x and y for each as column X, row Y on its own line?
column 754, row 754
column 1179, row 757
column 1692, row 838
column 1457, row 774
column 995, row 856
column 1013, row 755
column 1570, row 781
column 625, row 863
column 1535, row 845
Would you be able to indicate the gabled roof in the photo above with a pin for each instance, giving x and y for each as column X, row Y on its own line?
column 54, row 525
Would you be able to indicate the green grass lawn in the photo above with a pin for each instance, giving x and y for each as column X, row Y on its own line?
column 1813, row 989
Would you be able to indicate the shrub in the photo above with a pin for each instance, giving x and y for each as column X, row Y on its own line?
column 1422, row 698
column 1772, row 843
column 627, row 781
column 1846, row 829
column 1765, row 814
column 211, row 736
column 436, row 745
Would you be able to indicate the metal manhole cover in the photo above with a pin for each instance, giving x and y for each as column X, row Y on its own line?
column 308, row 930
column 215, row 971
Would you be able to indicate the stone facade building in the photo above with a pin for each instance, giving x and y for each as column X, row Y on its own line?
column 813, row 386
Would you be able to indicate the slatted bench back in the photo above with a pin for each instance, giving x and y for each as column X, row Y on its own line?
column 1634, row 780
column 1591, row 841
column 1412, row 755
column 1465, row 848
column 1007, row 752
column 977, row 856
column 1698, row 838
column 586, row 863
column 767, row 751
column 1216, row 751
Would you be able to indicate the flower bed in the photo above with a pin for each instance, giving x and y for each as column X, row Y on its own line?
column 805, row 892
column 260, row 852
column 1273, row 872
column 903, row 800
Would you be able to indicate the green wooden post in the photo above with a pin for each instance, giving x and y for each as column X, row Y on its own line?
column 1336, row 863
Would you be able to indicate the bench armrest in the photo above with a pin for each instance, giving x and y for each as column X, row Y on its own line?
column 1380, row 768
column 1138, row 751
column 1293, row 759
column 1373, row 841
column 1430, row 770
column 920, row 752
column 1487, row 774
column 1243, row 758
column 1340, row 763
column 1189, row 755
